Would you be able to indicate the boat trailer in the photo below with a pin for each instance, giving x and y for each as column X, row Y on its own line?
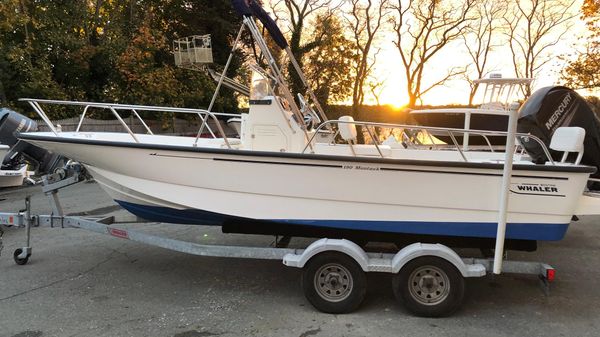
column 428, row 278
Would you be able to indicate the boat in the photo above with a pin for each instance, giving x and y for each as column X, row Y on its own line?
column 236, row 124
column 13, row 171
column 322, row 136
column 276, row 179
column 3, row 150
column 11, row 175
column 19, row 160
column 491, row 114
column 14, row 177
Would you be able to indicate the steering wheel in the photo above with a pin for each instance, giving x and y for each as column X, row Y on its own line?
column 311, row 118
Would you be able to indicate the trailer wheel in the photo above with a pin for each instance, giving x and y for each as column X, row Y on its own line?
column 334, row 283
column 18, row 260
column 429, row 286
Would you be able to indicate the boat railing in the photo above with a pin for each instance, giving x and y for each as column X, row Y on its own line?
column 451, row 132
column 114, row 108
column 467, row 112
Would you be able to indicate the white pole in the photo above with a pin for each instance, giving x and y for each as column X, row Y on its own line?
column 223, row 74
column 467, row 127
column 503, row 211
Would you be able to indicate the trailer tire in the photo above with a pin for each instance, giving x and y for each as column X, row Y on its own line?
column 334, row 283
column 18, row 260
column 429, row 286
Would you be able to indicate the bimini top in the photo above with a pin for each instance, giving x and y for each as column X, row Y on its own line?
column 251, row 8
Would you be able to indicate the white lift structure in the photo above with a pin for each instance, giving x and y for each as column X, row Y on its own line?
column 428, row 278
column 193, row 52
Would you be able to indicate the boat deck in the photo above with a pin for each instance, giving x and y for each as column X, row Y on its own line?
column 425, row 153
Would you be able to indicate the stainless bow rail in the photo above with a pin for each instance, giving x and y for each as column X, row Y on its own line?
column 114, row 108
column 450, row 131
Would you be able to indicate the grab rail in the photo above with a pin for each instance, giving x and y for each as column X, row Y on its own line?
column 450, row 131
column 114, row 108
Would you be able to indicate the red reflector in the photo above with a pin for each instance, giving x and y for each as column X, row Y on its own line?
column 120, row 233
column 550, row 274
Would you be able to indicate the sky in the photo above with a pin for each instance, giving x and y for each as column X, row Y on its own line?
column 457, row 91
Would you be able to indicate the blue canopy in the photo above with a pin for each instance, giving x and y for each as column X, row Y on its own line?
column 250, row 8
column 241, row 7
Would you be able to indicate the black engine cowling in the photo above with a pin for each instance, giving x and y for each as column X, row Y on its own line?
column 552, row 107
column 12, row 123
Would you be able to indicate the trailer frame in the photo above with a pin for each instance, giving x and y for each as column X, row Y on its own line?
column 332, row 251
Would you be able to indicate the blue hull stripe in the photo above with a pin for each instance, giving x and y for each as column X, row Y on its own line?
column 522, row 231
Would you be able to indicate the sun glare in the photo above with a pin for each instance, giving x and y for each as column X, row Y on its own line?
column 398, row 105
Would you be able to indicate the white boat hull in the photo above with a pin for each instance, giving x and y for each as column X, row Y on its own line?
column 3, row 150
column 13, row 178
column 212, row 186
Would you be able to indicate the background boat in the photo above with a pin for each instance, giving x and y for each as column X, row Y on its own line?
column 491, row 114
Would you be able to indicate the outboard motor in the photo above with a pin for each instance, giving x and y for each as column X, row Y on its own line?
column 552, row 107
column 12, row 123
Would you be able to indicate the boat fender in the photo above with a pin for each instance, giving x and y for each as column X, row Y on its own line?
column 416, row 250
column 327, row 245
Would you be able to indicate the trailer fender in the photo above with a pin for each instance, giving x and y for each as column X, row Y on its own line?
column 327, row 245
column 416, row 250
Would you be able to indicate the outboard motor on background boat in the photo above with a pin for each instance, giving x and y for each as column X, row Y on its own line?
column 552, row 107
column 12, row 123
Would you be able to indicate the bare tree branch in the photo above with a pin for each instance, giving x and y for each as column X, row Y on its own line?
column 365, row 19
column 423, row 28
column 480, row 39
column 533, row 27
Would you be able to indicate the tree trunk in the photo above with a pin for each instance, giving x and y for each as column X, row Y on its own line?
column 355, row 111
column 296, row 85
column 3, row 100
column 527, row 91
column 94, row 33
column 26, row 27
column 360, row 137
column 472, row 93
column 131, row 23
column 412, row 100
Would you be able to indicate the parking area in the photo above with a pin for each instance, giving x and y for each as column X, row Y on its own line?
column 79, row 283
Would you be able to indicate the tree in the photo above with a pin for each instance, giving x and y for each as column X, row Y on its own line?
column 9, row 22
column 376, row 87
column 423, row 28
column 143, row 80
column 329, row 64
column 594, row 103
column 3, row 100
column 533, row 28
column 480, row 38
column 297, row 14
column 365, row 20
column 144, row 77
column 584, row 72
column 29, row 63
column 95, row 50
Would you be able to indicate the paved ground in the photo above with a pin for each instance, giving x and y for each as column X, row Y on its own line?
column 79, row 283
